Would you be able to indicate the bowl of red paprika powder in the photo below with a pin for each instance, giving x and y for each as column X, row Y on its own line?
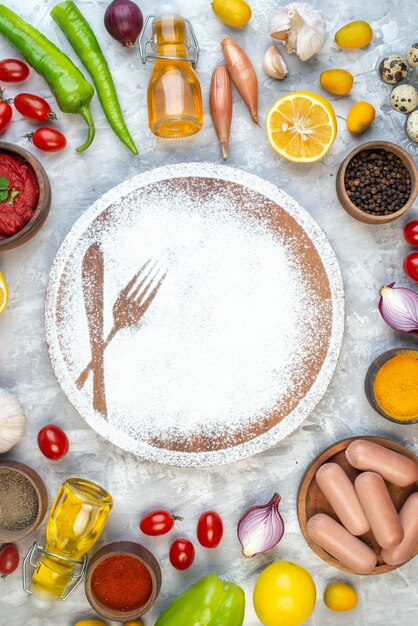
column 123, row 581
column 25, row 196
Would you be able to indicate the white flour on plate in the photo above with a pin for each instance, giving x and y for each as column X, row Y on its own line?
column 226, row 333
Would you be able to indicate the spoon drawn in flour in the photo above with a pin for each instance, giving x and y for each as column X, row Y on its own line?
column 130, row 306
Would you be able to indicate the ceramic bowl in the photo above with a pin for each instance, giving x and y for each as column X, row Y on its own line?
column 44, row 202
column 8, row 536
column 143, row 555
column 370, row 378
column 351, row 208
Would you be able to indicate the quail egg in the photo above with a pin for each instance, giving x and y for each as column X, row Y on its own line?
column 412, row 126
column 412, row 55
column 393, row 69
column 404, row 98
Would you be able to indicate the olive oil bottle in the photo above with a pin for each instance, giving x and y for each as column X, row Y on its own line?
column 76, row 521
column 175, row 107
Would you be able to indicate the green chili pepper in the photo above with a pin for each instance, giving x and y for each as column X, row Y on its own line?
column 209, row 602
column 71, row 90
column 83, row 40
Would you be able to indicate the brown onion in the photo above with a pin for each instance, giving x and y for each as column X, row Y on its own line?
column 123, row 21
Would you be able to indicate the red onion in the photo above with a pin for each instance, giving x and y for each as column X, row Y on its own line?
column 123, row 21
column 261, row 527
column 399, row 308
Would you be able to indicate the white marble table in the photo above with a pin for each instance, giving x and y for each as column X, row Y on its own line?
column 369, row 257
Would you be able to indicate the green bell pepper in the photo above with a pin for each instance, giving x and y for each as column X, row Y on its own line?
column 209, row 602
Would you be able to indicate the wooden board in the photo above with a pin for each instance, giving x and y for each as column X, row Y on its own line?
column 311, row 500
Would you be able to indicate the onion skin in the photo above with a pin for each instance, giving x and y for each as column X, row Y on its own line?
column 124, row 21
column 261, row 528
column 243, row 75
column 220, row 103
column 398, row 307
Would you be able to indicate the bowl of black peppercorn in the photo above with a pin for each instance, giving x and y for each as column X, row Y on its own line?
column 377, row 182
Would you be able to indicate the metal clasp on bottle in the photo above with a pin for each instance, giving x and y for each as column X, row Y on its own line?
column 145, row 46
column 32, row 559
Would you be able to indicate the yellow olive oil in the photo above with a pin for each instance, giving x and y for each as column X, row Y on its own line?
column 76, row 520
column 175, row 107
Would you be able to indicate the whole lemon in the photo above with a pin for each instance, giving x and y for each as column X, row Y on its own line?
column 337, row 81
column 90, row 622
column 284, row 594
column 340, row 597
column 235, row 13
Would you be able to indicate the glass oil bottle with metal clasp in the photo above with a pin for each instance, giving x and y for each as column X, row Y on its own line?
column 175, row 108
column 76, row 520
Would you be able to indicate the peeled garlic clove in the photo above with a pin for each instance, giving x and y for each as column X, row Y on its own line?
column 273, row 64
column 12, row 421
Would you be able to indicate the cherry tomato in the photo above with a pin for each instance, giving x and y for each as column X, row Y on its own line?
column 47, row 139
column 6, row 113
column 13, row 71
column 34, row 107
column 210, row 529
column 157, row 522
column 410, row 265
column 181, row 554
column 9, row 560
column 410, row 232
column 53, row 442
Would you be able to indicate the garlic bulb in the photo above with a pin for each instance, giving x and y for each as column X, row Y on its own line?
column 12, row 421
column 300, row 28
column 273, row 63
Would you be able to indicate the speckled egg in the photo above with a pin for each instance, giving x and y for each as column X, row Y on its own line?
column 404, row 98
column 412, row 55
column 412, row 126
column 393, row 69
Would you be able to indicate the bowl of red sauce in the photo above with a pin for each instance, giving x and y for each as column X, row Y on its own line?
column 25, row 196
column 123, row 581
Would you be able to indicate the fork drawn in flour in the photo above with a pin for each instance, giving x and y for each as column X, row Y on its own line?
column 129, row 308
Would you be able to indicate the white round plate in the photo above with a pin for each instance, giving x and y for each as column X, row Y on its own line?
column 234, row 335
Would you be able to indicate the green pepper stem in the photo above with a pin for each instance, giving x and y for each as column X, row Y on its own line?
column 88, row 118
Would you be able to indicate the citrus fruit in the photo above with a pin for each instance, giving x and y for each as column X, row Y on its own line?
column 340, row 597
column 4, row 293
column 337, row 81
column 301, row 127
column 284, row 594
column 235, row 13
column 360, row 117
column 354, row 35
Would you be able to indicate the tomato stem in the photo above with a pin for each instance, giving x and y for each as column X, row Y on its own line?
column 3, row 99
column 52, row 115
column 177, row 518
column 28, row 136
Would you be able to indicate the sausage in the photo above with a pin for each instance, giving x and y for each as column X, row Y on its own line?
column 379, row 509
column 394, row 467
column 409, row 519
column 340, row 493
column 342, row 545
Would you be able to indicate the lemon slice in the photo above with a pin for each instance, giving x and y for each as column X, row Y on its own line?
column 301, row 127
column 4, row 293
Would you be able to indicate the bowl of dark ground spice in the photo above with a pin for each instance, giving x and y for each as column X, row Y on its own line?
column 23, row 501
column 123, row 581
column 377, row 182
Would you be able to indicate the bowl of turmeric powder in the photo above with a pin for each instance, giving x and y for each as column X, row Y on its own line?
column 391, row 385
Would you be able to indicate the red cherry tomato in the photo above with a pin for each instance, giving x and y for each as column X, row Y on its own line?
column 6, row 113
column 410, row 265
column 9, row 560
column 157, row 522
column 410, row 232
column 210, row 529
column 34, row 107
column 48, row 139
column 13, row 71
column 53, row 442
column 181, row 554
